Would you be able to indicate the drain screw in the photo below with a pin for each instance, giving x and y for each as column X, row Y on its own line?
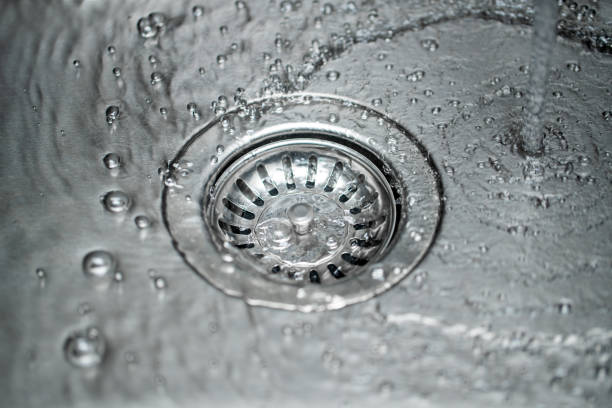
column 301, row 216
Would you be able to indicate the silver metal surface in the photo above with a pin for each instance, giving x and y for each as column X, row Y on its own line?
column 509, row 308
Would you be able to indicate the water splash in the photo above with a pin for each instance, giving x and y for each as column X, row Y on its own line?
column 544, row 39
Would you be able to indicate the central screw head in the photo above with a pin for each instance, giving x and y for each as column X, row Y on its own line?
column 301, row 216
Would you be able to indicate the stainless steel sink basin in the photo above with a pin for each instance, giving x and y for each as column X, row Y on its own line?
column 465, row 273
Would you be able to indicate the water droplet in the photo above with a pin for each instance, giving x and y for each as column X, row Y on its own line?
column 333, row 76
column 416, row 76
column 85, row 348
column 163, row 111
column 142, row 222
column 436, row 110
column 112, row 114
column 111, row 50
column 160, row 283
column 197, row 11
column 385, row 388
column 99, row 264
column 193, row 109
column 377, row 101
column 201, row 71
column 117, row 72
column 327, row 9
column 41, row 273
column 220, row 149
column 564, row 306
column 428, row 92
column 156, row 78
column 152, row 25
column 221, row 59
column 430, row 44
column 111, row 161
column 116, row 201
column 76, row 63
column 84, row 308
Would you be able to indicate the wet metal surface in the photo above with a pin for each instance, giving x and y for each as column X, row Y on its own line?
column 511, row 306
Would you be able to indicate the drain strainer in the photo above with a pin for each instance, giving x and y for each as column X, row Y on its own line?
column 276, row 205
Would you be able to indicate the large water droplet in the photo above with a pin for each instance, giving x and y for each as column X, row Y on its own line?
column 85, row 348
column 116, row 201
column 112, row 161
column 99, row 264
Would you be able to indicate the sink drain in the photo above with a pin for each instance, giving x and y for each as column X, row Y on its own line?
column 305, row 208
column 275, row 205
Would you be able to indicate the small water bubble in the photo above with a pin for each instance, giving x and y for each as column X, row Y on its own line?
column 333, row 76
column 163, row 111
column 192, row 108
column 428, row 92
column 117, row 72
column 489, row 120
column 84, row 308
column 41, row 273
column 376, row 101
column 436, row 110
column 332, row 118
column 220, row 148
column 574, row 66
column 318, row 21
column 416, row 76
column 430, row 44
column 214, row 160
column 240, row 5
column 156, row 78
column 118, row 276
column 111, row 161
column 152, row 25
column 221, row 59
column 112, row 114
column 153, row 60
column 557, row 94
column 223, row 30
column 286, row 6
column 142, row 222
column 385, row 388
column 197, row 11
column 76, row 63
column 327, row 9
column 99, row 264
column 160, row 283
column 413, row 101
column 564, row 306
column 116, row 201
column 85, row 348
column 606, row 115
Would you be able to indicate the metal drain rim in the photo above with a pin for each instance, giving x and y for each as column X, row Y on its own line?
column 426, row 208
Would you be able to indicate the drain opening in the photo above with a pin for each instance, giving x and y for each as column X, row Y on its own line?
column 305, row 207
column 302, row 214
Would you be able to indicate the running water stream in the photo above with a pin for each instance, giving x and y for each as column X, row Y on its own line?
column 543, row 44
